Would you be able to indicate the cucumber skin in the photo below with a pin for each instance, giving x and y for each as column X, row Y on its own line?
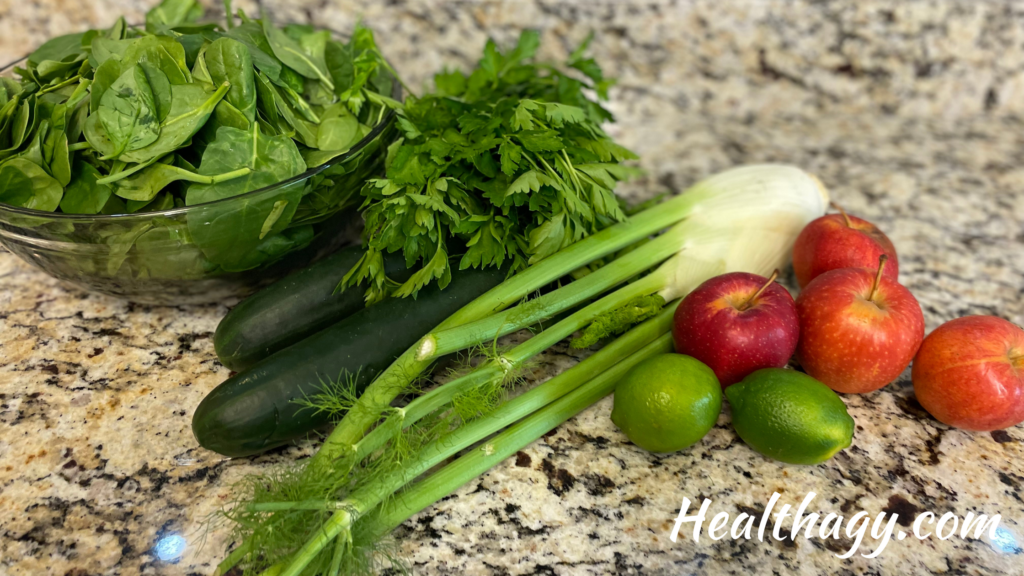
column 256, row 410
column 293, row 308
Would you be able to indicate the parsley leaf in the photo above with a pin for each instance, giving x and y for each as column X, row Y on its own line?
column 501, row 167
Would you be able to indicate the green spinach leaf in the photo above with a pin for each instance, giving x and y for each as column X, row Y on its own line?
column 295, row 55
column 129, row 113
column 171, row 13
column 145, row 184
column 281, row 114
column 58, row 48
column 299, row 104
column 49, row 144
column 266, row 101
column 11, row 87
column 106, row 49
column 338, row 59
column 271, row 159
column 193, row 44
column 191, row 106
column 291, row 79
column 338, row 133
column 56, row 156
column 161, row 87
column 162, row 201
column 228, row 60
column 277, row 245
column 168, row 251
column 49, row 70
column 251, row 35
column 34, row 151
column 24, row 183
column 161, row 52
column 228, row 234
column 17, row 130
column 200, row 73
column 227, row 115
column 120, row 242
column 118, row 30
column 106, row 74
column 114, row 205
column 83, row 195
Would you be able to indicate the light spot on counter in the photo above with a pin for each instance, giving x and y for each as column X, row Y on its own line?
column 170, row 548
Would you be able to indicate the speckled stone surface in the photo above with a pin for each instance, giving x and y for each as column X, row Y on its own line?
column 909, row 113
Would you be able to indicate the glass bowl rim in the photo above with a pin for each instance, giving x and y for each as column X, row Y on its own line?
column 377, row 130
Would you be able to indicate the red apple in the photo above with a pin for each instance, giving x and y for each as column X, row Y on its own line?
column 737, row 323
column 840, row 241
column 969, row 373
column 858, row 328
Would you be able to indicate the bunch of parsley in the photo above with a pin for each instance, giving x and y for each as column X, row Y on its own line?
column 505, row 166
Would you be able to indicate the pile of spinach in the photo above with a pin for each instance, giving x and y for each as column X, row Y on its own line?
column 179, row 113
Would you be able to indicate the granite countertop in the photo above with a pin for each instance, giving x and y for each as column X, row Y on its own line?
column 910, row 115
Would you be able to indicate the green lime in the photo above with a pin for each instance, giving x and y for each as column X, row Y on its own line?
column 789, row 416
column 667, row 402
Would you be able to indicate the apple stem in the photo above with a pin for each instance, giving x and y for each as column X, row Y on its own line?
column 846, row 217
column 750, row 301
column 878, row 276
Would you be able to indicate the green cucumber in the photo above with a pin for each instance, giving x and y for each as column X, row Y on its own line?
column 257, row 409
column 293, row 308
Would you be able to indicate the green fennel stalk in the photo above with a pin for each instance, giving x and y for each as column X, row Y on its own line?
column 497, row 369
column 422, row 494
column 607, row 365
column 444, row 342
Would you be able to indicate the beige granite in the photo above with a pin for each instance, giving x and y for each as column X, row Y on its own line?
column 909, row 112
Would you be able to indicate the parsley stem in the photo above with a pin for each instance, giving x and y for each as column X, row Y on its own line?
column 575, row 200
column 571, row 170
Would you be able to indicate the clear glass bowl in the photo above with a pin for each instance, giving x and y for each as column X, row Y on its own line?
column 167, row 257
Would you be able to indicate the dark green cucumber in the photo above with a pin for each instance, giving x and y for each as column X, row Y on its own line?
column 256, row 410
column 295, row 307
